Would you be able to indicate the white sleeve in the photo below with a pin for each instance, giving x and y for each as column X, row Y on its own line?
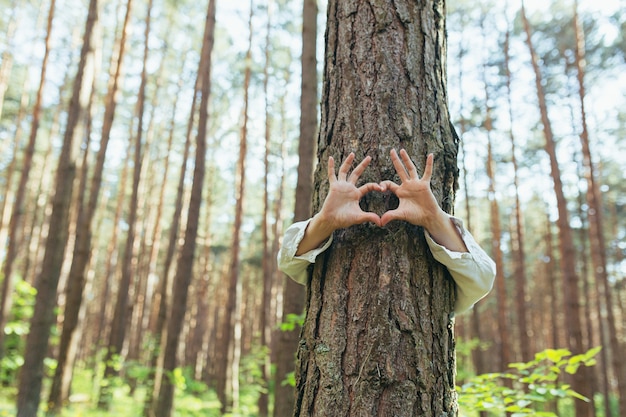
column 288, row 262
column 473, row 272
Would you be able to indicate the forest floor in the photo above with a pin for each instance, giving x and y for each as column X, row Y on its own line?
column 83, row 402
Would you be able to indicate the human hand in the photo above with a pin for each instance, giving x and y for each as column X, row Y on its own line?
column 341, row 207
column 417, row 201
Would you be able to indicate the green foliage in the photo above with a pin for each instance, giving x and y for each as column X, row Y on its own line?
column 15, row 330
column 291, row 322
column 527, row 387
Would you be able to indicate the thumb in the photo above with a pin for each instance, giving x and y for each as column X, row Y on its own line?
column 390, row 216
column 371, row 217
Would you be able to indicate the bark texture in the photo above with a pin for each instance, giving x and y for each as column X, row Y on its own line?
column 378, row 338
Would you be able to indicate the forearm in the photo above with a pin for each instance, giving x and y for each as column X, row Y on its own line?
column 443, row 231
column 316, row 233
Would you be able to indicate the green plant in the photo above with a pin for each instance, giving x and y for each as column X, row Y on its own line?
column 15, row 330
column 526, row 388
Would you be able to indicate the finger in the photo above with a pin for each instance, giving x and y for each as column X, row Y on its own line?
column 331, row 170
column 410, row 166
column 428, row 170
column 370, row 217
column 390, row 216
column 389, row 185
column 397, row 163
column 370, row 186
column 345, row 167
column 356, row 173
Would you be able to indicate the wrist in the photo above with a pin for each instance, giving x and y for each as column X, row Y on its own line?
column 438, row 222
column 321, row 226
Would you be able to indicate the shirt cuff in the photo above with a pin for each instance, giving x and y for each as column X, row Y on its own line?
column 293, row 237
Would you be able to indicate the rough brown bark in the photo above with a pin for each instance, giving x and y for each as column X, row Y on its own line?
column 567, row 251
column 378, row 339
column 293, row 293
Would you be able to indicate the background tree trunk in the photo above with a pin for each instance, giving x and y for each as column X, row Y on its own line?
column 378, row 339
column 185, row 263
column 31, row 378
column 15, row 229
column 293, row 293
column 596, row 232
column 571, row 300
column 228, row 378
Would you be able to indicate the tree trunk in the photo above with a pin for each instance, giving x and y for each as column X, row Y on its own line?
column 266, row 295
column 293, row 293
column 185, row 263
column 596, row 232
column 43, row 316
column 164, row 291
column 496, row 233
column 580, row 380
column 118, row 325
column 60, row 389
column 518, row 235
column 228, row 379
column 15, row 230
column 378, row 339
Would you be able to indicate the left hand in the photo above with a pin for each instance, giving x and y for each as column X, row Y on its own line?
column 418, row 204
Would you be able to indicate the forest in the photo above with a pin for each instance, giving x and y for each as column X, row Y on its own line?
column 153, row 152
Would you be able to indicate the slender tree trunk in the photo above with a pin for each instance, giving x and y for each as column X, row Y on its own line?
column 496, row 233
column 118, row 325
column 378, row 338
column 580, row 380
column 60, row 389
column 266, row 298
column 518, row 240
column 185, row 263
column 596, row 231
column 228, row 378
column 15, row 226
column 43, row 316
column 163, row 291
column 293, row 293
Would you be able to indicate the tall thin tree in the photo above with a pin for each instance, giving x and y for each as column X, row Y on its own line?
column 17, row 211
column 185, row 263
column 595, row 218
column 31, row 377
column 228, row 380
column 567, row 251
column 293, row 293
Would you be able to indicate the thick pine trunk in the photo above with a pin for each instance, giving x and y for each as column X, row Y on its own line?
column 378, row 338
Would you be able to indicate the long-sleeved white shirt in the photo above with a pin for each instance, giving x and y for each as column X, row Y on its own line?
column 473, row 271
